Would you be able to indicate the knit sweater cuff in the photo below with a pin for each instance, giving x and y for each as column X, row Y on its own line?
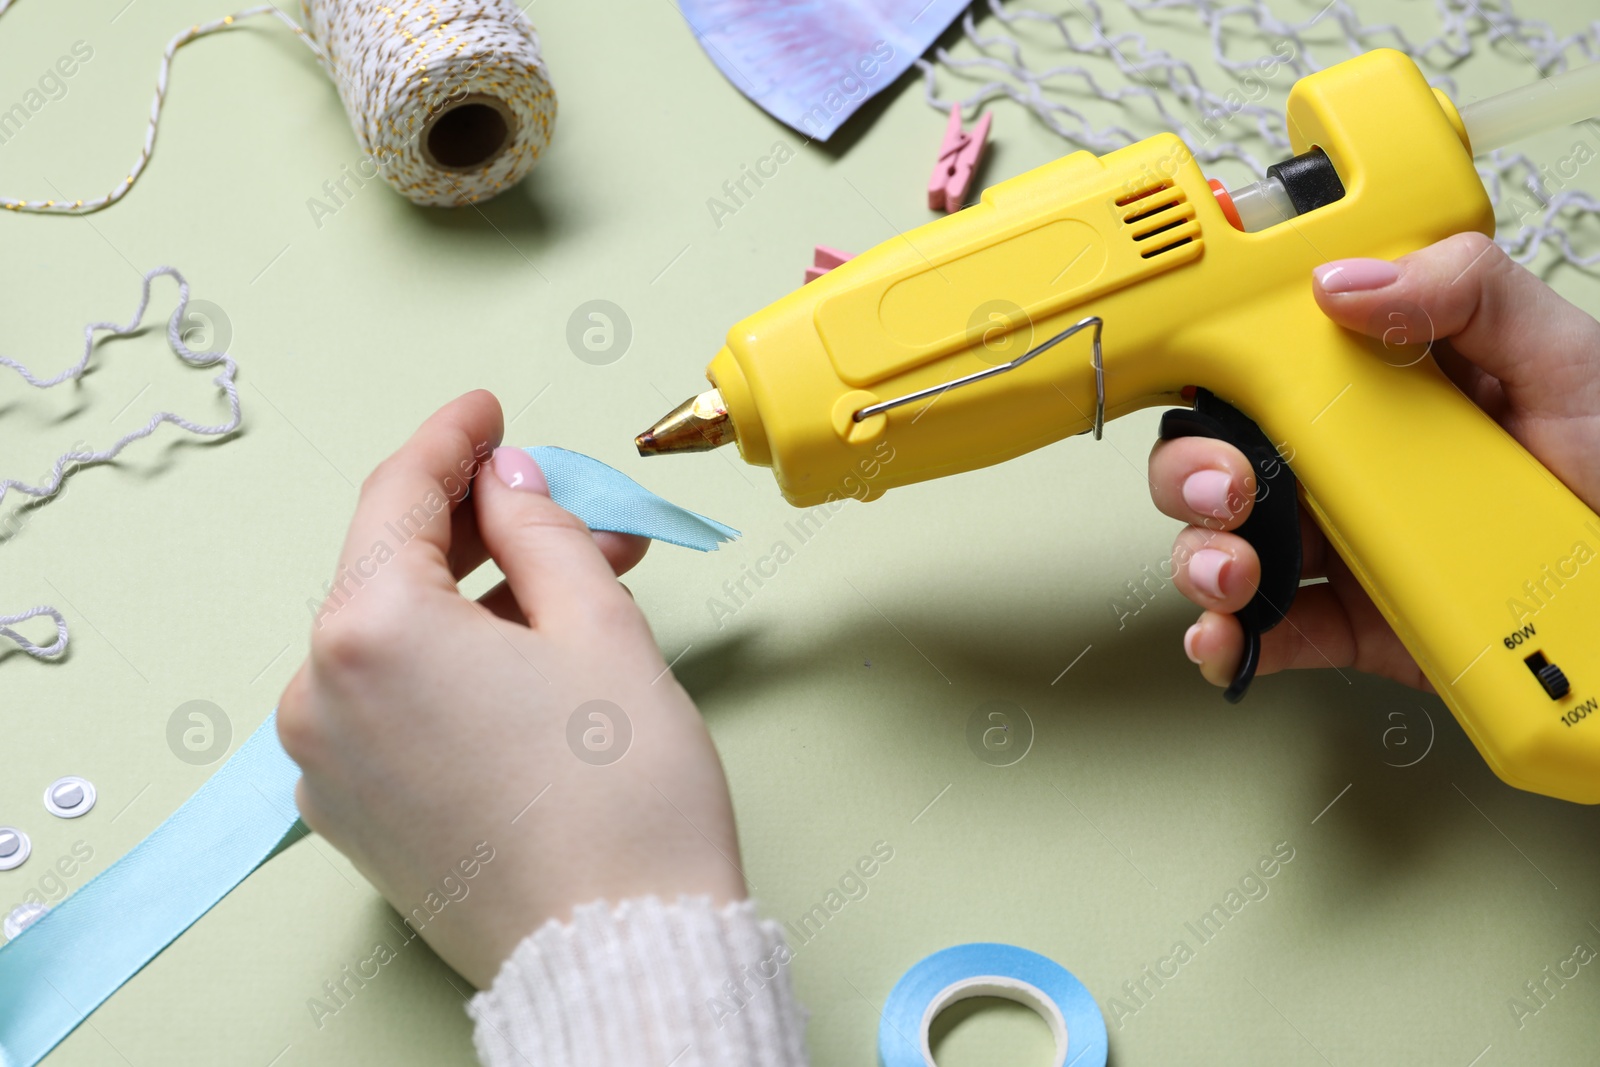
column 644, row 984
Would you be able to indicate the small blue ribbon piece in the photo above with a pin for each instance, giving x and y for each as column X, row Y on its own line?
column 57, row 971
column 607, row 499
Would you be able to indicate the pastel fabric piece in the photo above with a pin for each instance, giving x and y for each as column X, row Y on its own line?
column 607, row 499
column 807, row 63
column 66, row 964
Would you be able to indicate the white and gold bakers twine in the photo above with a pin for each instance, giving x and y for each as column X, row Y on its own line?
column 399, row 68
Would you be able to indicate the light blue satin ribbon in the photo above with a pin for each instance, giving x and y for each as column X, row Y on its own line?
column 66, row 964
column 607, row 499
column 63, row 966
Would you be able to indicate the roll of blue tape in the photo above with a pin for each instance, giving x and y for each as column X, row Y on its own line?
column 991, row 970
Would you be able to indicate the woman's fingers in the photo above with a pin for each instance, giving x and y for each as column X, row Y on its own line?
column 553, row 564
column 1514, row 346
column 1211, row 485
column 1202, row 481
column 622, row 551
column 1518, row 349
column 1215, row 644
column 1218, row 571
column 468, row 552
column 406, row 509
column 1495, row 313
column 1330, row 625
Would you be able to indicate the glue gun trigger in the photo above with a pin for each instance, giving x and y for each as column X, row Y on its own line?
column 1273, row 528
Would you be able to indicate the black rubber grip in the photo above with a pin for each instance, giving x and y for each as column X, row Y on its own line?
column 1273, row 528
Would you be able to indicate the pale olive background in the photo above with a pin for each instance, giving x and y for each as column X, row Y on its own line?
column 1414, row 908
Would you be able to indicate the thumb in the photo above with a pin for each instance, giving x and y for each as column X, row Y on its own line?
column 551, row 561
column 1541, row 351
column 1508, row 341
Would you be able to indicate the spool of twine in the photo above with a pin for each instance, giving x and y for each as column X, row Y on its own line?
column 450, row 99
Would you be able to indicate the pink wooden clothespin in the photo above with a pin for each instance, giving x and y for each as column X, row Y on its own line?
column 958, row 160
column 823, row 260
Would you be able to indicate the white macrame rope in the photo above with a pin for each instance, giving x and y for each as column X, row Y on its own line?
column 70, row 462
column 1154, row 73
column 395, row 69
column 36, row 651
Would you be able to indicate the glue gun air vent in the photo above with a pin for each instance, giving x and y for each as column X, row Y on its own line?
column 1158, row 218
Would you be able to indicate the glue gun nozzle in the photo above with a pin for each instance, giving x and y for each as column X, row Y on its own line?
column 696, row 425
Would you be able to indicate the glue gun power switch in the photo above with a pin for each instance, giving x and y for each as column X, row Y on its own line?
column 1096, row 286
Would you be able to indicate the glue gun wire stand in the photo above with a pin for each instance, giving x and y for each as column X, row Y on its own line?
column 932, row 344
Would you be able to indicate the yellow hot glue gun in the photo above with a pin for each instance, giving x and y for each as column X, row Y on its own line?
column 955, row 345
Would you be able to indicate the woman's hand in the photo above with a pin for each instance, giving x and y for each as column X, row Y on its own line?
column 433, row 731
column 1522, row 353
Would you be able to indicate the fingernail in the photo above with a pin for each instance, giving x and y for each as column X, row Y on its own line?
column 1191, row 638
column 1207, row 492
column 1205, row 570
column 518, row 470
column 1355, row 275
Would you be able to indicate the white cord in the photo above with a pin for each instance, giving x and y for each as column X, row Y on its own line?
column 1153, row 73
column 68, row 463
column 36, row 651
